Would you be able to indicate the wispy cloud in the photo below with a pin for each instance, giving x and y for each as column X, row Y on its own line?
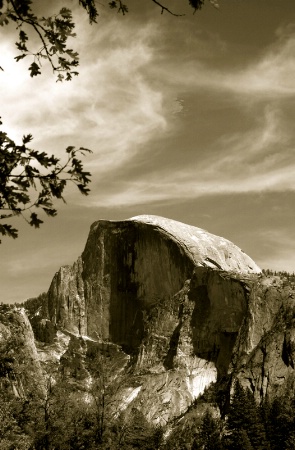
column 268, row 76
column 111, row 107
column 173, row 113
column 125, row 97
column 260, row 159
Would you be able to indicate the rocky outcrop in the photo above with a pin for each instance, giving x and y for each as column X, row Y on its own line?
column 167, row 293
column 263, row 357
column 203, row 248
column 128, row 268
column 20, row 370
column 172, row 307
column 65, row 302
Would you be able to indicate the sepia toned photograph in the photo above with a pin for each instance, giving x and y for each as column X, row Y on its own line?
column 147, row 225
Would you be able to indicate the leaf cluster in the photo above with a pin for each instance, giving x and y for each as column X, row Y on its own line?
column 196, row 4
column 30, row 180
column 120, row 6
column 54, row 31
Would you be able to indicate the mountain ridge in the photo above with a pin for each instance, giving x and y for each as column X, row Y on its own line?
column 175, row 308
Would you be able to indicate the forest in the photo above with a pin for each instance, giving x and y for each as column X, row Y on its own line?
column 66, row 417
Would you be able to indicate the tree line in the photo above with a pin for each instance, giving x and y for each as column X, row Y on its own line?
column 62, row 419
column 246, row 425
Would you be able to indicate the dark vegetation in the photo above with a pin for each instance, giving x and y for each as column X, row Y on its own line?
column 69, row 414
column 245, row 426
column 62, row 420
column 281, row 274
column 32, row 305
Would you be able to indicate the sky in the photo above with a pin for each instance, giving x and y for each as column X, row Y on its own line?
column 190, row 118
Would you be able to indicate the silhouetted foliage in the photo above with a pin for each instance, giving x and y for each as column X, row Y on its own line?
column 209, row 436
column 24, row 171
column 244, row 420
column 279, row 418
column 54, row 31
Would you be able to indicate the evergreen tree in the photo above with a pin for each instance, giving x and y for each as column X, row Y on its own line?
column 256, row 430
column 244, row 440
column 11, row 434
column 280, row 423
column 244, row 423
column 209, row 437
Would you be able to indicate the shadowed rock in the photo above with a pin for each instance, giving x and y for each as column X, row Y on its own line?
column 157, row 288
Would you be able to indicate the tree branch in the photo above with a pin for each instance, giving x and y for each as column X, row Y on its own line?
column 34, row 25
column 164, row 8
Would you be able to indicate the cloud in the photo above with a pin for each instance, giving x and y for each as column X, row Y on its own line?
column 124, row 99
column 272, row 75
column 257, row 160
column 111, row 107
column 267, row 76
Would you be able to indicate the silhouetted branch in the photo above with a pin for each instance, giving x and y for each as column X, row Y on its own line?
column 164, row 8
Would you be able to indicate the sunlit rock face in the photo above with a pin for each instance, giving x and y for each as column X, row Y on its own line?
column 128, row 268
column 161, row 290
column 264, row 353
column 65, row 304
column 172, row 306
column 20, row 370
column 202, row 247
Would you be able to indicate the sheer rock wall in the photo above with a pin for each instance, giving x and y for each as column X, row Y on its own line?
column 264, row 353
column 130, row 267
column 162, row 290
column 187, row 308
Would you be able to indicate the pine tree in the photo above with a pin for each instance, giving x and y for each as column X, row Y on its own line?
column 255, row 430
column 280, row 423
column 243, row 440
column 244, row 424
column 209, row 436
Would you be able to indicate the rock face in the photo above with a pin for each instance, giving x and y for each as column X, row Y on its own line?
column 263, row 357
column 203, row 248
column 186, row 307
column 65, row 304
column 161, row 290
column 20, row 370
column 129, row 267
column 174, row 307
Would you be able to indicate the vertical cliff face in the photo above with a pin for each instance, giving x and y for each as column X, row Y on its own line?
column 168, row 294
column 65, row 304
column 176, row 307
column 128, row 268
column 263, row 357
column 220, row 305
